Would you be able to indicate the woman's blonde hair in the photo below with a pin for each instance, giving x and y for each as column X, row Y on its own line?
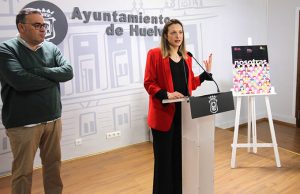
column 164, row 44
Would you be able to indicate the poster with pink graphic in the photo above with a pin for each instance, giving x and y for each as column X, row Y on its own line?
column 251, row 69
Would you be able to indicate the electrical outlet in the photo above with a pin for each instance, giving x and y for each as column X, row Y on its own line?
column 118, row 133
column 108, row 135
column 78, row 141
column 113, row 134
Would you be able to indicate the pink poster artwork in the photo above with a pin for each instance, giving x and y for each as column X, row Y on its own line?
column 251, row 70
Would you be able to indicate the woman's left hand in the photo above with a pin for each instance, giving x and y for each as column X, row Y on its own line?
column 208, row 63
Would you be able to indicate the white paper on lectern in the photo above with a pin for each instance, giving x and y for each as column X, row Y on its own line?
column 165, row 101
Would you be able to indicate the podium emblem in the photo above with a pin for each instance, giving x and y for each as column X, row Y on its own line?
column 213, row 102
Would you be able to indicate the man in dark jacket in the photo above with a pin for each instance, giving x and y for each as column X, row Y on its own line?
column 30, row 72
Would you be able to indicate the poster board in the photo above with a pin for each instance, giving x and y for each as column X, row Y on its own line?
column 251, row 69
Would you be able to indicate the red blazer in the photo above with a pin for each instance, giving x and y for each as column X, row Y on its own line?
column 158, row 76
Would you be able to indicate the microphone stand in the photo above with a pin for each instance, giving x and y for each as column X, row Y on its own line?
column 186, row 81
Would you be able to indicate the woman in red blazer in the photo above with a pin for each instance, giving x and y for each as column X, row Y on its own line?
column 169, row 75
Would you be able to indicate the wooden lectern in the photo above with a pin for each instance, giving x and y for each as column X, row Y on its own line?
column 198, row 129
column 197, row 152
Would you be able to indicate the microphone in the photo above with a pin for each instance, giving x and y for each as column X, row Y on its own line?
column 191, row 55
column 186, row 81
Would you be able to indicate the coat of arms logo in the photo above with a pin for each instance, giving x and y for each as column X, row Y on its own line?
column 49, row 19
column 213, row 104
column 54, row 17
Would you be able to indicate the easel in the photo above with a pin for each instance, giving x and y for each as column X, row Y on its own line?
column 252, row 125
column 252, row 128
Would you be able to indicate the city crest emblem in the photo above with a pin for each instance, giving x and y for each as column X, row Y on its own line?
column 54, row 17
column 49, row 20
column 213, row 102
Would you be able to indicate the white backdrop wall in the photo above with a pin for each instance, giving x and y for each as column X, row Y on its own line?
column 283, row 22
column 238, row 21
column 111, row 97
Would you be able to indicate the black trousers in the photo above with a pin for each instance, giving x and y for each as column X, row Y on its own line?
column 167, row 158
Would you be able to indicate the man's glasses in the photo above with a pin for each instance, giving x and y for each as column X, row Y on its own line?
column 39, row 26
